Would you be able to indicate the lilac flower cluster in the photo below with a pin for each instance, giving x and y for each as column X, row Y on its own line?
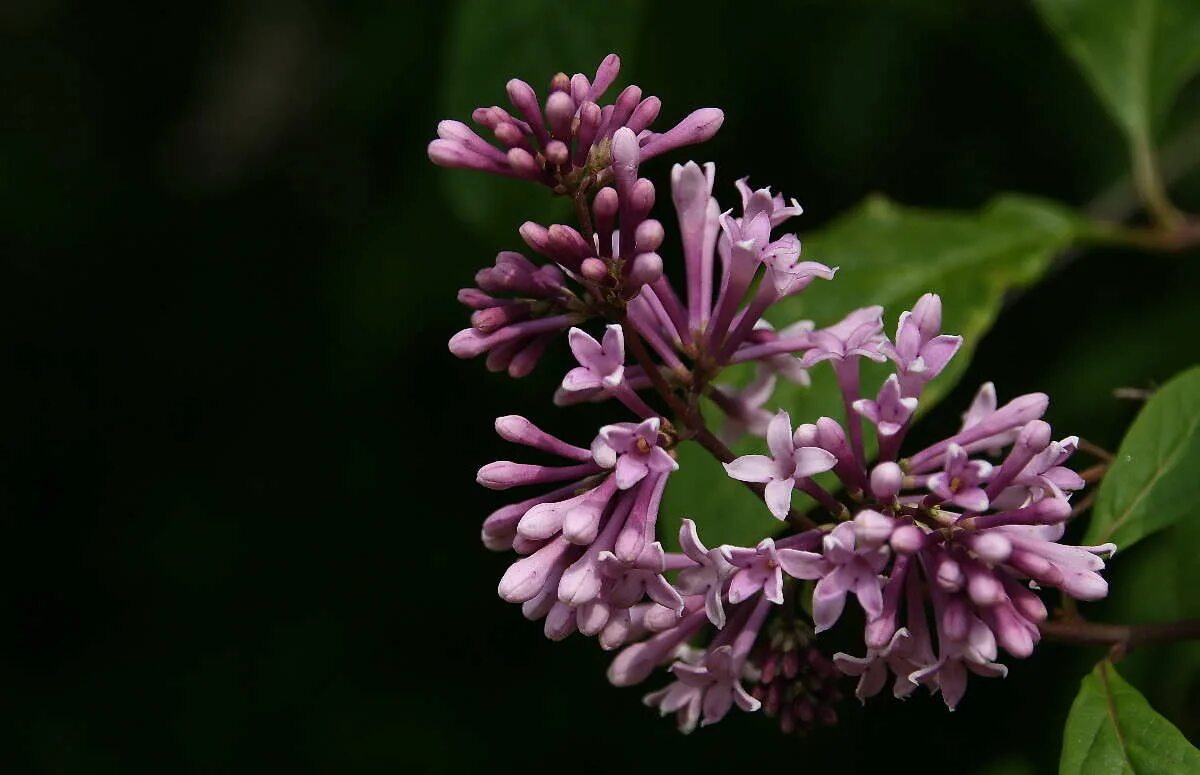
column 942, row 549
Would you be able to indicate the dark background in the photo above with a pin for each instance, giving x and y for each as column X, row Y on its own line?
column 240, row 523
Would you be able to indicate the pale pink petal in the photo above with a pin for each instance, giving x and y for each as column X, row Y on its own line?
column 752, row 468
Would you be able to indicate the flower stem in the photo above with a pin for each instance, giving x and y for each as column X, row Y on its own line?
column 1120, row 638
column 1149, row 184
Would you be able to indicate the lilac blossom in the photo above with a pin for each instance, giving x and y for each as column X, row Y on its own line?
column 760, row 570
column 944, row 552
column 792, row 458
column 921, row 352
column 845, row 565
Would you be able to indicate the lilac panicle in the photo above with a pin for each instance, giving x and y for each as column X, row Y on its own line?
column 569, row 135
column 943, row 550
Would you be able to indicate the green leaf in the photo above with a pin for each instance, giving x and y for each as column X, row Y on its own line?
column 889, row 255
column 530, row 39
column 1137, row 54
column 1112, row 729
column 1152, row 483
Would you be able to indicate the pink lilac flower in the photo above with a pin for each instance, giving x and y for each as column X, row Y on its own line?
column 958, row 484
column 709, row 574
column 890, row 411
column 600, row 365
column 921, row 352
column 633, row 451
column 760, row 570
column 845, row 565
column 793, row 456
column 712, row 684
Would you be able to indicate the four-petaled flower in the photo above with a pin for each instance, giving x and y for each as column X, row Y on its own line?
column 712, row 687
column 890, row 410
column 792, row 457
column 707, row 577
column 859, row 334
column 844, row 565
column 760, row 570
column 959, row 482
column 601, row 364
column 921, row 352
column 634, row 450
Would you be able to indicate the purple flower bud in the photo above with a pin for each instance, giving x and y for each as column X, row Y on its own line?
column 886, row 481
column 648, row 236
column 907, row 539
column 560, row 112
column 699, row 126
column 594, row 269
column 646, row 268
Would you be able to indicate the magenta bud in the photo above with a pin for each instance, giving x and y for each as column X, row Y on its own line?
column 485, row 117
column 580, row 86
column 589, row 125
column 696, row 128
column 644, row 114
column 509, row 134
column 557, row 152
column 606, row 204
column 526, row 577
column 647, row 268
column 475, row 298
column 523, row 163
column 560, row 112
column 907, row 539
column 468, row 343
column 872, row 527
column 648, row 236
column 659, row 618
column 992, row 547
column 521, row 95
column 642, row 198
column 984, row 588
column 1053, row 510
column 594, row 269
column 492, row 318
column 561, row 82
column 536, row 236
column 560, row 622
column 606, row 73
column 949, row 575
column 625, row 155
column 1035, row 436
column 927, row 314
column 517, row 429
column 886, row 481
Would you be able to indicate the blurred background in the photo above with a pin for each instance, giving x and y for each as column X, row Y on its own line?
column 240, row 522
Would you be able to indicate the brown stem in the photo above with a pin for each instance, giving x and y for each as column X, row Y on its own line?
column 1120, row 638
column 1095, row 450
column 1176, row 237
column 1093, row 474
column 642, row 356
column 1148, row 181
column 583, row 214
